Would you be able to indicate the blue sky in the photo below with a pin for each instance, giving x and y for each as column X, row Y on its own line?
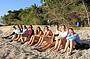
column 6, row 5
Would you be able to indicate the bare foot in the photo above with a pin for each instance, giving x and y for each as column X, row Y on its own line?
column 53, row 49
column 69, row 54
column 63, row 52
column 56, row 50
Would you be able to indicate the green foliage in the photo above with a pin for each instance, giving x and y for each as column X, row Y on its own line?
column 67, row 11
column 50, row 12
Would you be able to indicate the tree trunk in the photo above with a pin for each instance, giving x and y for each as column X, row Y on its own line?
column 87, row 14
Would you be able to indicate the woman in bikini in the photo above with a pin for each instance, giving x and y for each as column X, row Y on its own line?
column 46, row 39
column 61, row 39
column 36, row 37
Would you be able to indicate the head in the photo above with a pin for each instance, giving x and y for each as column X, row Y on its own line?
column 46, row 28
column 30, row 27
column 63, row 27
column 14, row 27
column 38, row 28
column 70, row 30
column 25, row 27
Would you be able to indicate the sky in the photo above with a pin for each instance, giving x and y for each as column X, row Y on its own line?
column 6, row 5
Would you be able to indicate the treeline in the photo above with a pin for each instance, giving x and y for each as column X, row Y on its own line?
column 51, row 12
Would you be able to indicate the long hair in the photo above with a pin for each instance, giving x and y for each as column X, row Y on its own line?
column 37, row 32
column 25, row 26
column 14, row 27
column 71, row 29
column 64, row 27
column 30, row 26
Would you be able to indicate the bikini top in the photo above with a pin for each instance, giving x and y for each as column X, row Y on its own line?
column 48, row 33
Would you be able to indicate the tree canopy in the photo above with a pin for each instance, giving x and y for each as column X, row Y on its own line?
column 51, row 12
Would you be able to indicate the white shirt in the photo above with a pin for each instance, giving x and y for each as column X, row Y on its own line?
column 17, row 31
column 24, row 30
column 63, row 34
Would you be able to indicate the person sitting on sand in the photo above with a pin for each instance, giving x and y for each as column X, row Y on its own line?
column 72, row 40
column 56, row 34
column 45, row 40
column 23, row 29
column 61, row 39
column 57, row 31
column 20, row 31
column 15, row 32
column 35, row 37
column 27, row 34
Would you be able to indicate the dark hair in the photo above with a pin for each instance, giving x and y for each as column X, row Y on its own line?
column 25, row 26
column 71, row 29
column 47, row 26
column 21, row 26
column 31, row 26
column 14, row 27
column 18, row 26
column 37, row 30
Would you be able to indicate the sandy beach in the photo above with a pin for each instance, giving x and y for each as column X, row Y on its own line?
column 15, row 50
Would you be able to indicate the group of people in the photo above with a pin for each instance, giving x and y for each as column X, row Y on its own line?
column 64, row 38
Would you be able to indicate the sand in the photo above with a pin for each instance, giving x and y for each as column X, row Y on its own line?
column 15, row 50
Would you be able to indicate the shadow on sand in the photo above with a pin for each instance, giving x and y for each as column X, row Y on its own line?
column 85, row 44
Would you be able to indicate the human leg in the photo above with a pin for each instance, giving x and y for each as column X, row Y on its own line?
column 32, row 40
column 40, row 39
column 72, row 45
column 18, row 36
column 59, row 45
column 56, row 44
column 67, row 45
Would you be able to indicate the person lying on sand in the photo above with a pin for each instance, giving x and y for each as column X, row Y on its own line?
column 61, row 39
column 27, row 34
column 72, row 40
column 36, row 37
column 45, row 40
